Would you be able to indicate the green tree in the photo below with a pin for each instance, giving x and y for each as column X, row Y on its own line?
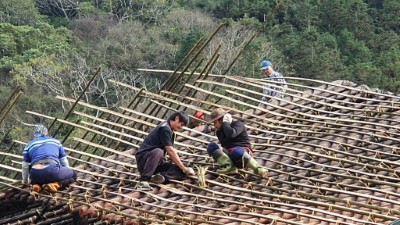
column 389, row 63
column 22, row 44
column 311, row 54
column 353, row 15
column 19, row 12
column 389, row 16
column 353, row 51
column 146, row 11
column 237, row 9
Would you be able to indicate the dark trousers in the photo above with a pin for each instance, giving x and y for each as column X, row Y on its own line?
column 52, row 173
column 153, row 162
column 239, row 156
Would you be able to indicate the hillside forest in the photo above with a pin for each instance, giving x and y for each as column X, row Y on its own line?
column 53, row 47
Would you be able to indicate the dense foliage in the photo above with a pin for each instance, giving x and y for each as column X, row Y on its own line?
column 51, row 47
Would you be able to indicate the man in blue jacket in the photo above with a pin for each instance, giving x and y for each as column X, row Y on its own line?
column 45, row 163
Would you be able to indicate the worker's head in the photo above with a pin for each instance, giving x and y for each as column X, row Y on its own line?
column 266, row 66
column 177, row 120
column 216, row 117
column 39, row 130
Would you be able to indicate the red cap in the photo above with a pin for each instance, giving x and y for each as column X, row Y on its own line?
column 199, row 115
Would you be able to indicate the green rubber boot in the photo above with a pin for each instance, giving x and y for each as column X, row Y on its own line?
column 226, row 164
column 259, row 170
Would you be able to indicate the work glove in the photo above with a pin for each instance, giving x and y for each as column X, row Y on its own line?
column 227, row 118
column 189, row 171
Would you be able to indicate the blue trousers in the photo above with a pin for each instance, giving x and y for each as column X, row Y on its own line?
column 239, row 155
column 51, row 173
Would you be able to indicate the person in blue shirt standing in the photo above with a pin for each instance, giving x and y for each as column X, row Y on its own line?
column 45, row 163
column 275, row 85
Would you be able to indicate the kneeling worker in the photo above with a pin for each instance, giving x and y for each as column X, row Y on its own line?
column 235, row 141
column 45, row 163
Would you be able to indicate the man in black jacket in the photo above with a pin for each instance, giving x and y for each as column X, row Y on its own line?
column 235, row 142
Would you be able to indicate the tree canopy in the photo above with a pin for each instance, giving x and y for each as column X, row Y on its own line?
column 51, row 47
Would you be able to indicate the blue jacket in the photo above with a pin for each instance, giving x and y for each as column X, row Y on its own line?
column 43, row 147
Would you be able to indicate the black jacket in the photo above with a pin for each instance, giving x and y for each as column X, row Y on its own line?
column 159, row 137
column 234, row 134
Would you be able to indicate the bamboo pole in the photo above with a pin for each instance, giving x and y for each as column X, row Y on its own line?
column 77, row 100
column 117, row 212
column 307, row 131
column 169, row 79
column 108, row 117
column 201, row 49
column 259, row 83
column 185, row 59
column 347, row 87
column 13, row 101
column 273, row 12
column 343, row 125
column 296, row 104
column 118, row 133
column 189, row 64
column 2, row 140
column 313, row 128
column 365, row 181
column 10, row 97
column 300, row 114
column 182, row 87
column 88, row 129
column 207, row 66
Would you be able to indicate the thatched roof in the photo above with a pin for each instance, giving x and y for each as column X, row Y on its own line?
column 331, row 150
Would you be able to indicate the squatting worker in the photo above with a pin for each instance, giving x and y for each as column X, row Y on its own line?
column 236, row 149
column 45, row 163
column 150, row 157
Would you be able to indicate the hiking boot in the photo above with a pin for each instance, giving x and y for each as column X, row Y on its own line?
column 157, row 179
column 143, row 186
column 52, row 187
column 36, row 188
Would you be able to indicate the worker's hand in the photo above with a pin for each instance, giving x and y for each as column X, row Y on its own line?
column 227, row 118
column 189, row 171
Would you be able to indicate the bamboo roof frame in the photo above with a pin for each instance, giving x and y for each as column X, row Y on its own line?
column 89, row 124
column 329, row 160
